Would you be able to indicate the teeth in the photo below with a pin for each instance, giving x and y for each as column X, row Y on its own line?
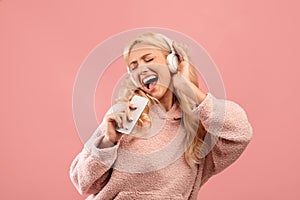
column 146, row 80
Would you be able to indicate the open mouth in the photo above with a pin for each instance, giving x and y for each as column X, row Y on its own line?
column 150, row 81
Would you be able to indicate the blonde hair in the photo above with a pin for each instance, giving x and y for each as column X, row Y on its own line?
column 194, row 139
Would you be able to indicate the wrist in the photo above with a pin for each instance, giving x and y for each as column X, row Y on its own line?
column 199, row 94
column 106, row 143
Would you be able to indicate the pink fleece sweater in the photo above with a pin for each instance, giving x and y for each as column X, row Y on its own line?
column 153, row 168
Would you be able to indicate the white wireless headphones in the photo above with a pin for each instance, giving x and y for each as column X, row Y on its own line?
column 172, row 59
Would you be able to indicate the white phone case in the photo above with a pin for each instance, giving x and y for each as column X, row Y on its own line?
column 140, row 104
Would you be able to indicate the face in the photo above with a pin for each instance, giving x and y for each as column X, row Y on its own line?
column 150, row 70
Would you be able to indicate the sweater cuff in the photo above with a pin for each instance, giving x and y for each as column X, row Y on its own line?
column 212, row 113
column 106, row 155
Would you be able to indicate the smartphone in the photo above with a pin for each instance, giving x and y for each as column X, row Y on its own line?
column 140, row 104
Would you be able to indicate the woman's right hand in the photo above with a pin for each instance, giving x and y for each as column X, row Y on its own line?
column 118, row 119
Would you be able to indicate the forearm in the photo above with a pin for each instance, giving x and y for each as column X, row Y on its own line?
column 224, row 118
column 200, row 95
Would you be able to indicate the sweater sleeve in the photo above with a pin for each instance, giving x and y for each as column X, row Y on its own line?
column 91, row 168
column 228, row 134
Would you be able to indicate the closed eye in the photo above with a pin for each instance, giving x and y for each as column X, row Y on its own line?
column 149, row 60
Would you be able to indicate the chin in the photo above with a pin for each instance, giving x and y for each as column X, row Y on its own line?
column 159, row 94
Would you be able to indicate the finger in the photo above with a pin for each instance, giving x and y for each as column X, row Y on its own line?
column 181, row 53
column 128, row 115
column 178, row 51
column 124, row 121
column 132, row 106
column 118, row 120
column 111, row 121
column 110, row 118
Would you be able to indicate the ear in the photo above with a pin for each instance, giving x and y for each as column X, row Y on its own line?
column 182, row 56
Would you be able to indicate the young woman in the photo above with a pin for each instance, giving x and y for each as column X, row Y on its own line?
column 183, row 137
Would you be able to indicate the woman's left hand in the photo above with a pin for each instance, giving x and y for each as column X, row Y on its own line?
column 182, row 80
column 183, row 62
column 183, row 70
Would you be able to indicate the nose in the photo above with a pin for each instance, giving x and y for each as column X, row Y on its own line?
column 143, row 69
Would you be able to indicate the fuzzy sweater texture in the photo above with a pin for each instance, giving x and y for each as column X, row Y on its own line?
column 154, row 168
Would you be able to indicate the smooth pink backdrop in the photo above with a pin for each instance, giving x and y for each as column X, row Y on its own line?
column 255, row 45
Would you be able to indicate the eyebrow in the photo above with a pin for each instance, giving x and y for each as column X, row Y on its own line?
column 143, row 57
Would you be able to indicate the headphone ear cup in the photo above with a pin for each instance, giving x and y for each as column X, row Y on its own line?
column 172, row 62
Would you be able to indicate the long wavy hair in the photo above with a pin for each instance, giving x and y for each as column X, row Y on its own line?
column 195, row 132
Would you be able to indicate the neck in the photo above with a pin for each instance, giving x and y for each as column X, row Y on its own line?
column 167, row 100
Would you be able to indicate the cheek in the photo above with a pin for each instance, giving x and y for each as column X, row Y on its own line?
column 164, row 76
column 165, row 80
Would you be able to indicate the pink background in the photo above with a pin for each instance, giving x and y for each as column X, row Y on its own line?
column 255, row 45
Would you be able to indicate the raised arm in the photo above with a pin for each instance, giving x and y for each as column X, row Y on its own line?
column 228, row 133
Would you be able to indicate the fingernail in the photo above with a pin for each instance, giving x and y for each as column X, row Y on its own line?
column 130, row 118
column 133, row 106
